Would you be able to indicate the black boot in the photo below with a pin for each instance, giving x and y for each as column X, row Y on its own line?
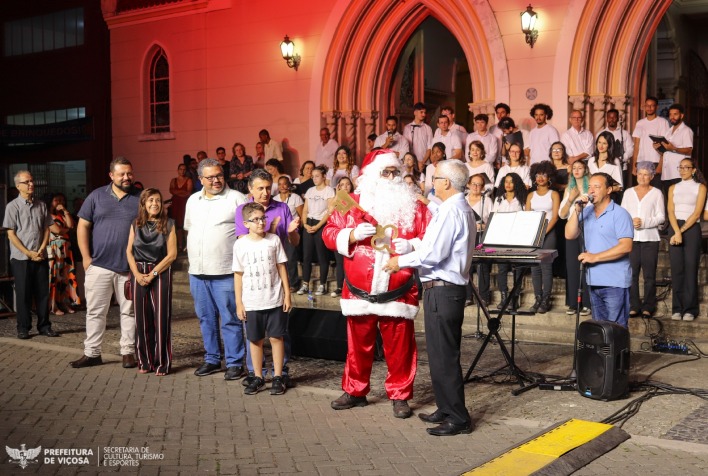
column 537, row 304
column 504, row 295
column 545, row 304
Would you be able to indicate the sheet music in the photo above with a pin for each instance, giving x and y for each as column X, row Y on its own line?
column 514, row 229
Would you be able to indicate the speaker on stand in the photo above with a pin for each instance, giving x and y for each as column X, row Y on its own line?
column 602, row 365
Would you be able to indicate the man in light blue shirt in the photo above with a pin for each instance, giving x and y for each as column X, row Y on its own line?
column 443, row 259
column 608, row 232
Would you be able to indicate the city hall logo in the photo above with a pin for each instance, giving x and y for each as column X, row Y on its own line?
column 23, row 456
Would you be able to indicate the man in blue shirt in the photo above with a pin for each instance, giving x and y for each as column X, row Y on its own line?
column 443, row 259
column 104, row 220
column 608, row 232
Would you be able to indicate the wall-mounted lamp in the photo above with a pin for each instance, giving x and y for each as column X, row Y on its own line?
column 528, row 24
column 287, row 48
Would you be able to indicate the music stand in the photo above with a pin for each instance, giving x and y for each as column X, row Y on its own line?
column 525, row 232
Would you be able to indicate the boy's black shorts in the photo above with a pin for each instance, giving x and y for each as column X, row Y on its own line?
column 271, row 322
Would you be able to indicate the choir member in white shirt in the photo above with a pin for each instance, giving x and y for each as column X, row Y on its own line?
column 577, row 140
column 605, row 160
column 419, row 134
column 482, row 134
column 478, row 165
column 613, row 126
column 326, row 147
column 453, row 145
column 542, row 136
column 516, row 163
column 646, row 206
column 643, row 146
column 391, row 139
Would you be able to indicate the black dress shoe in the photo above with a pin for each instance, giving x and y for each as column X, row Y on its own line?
column 450, row 429
column 86, row 362
column 207, row 369
column 129, row 361
column 23, row 335
column 49, row 333
column 436, row 417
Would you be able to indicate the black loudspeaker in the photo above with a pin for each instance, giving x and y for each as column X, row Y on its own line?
column 602, row 360
column 318, row 333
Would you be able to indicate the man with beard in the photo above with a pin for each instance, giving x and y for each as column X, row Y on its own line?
column 371, row 297
column 105, row 219
column 679, row 146
column 542, row 136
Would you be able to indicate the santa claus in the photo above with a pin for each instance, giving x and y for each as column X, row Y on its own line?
column 371, row 297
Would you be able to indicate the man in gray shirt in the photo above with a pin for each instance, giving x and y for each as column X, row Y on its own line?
column 27, row 222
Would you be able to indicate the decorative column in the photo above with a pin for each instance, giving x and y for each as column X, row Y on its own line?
column 621, row 103
column 598, row 113
column 351, row 119
column 369, row 127
column 330, row 122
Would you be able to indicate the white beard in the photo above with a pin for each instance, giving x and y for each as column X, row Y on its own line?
column 390, row 202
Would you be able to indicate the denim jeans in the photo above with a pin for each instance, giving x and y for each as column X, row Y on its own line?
column 610, row 304
column 214, row 298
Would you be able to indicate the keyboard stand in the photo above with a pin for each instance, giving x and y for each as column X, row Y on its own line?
column 525, row 381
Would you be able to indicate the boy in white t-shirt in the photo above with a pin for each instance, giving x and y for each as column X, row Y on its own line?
column 262, row 295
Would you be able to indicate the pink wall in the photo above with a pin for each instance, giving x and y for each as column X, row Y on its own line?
column 228, row 81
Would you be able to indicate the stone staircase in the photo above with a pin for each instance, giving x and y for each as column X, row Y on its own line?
column 553, row 327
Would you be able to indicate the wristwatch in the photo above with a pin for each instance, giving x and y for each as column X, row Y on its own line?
column 154, row 273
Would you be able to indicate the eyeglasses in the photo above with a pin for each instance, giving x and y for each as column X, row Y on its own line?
column 556, row 150
column 474, row 184
column 386, row 173
column 680, row 167
column 257, row 219
column 213, row 178
column 26, row 182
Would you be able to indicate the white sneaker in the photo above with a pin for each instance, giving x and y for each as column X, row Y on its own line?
column 585, row 311
column 570, row 311
column 676, row 316
column 303, row 289
column 336, row 293
column 320, row 290
column 688, row 317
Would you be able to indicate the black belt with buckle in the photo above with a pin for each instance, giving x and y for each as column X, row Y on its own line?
column 438, row 282
column 382, row 297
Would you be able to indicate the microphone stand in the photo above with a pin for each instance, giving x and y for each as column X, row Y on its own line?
column 479, row 334
column 571, row 382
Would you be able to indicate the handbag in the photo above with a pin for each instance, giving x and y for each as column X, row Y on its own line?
column 128, row 289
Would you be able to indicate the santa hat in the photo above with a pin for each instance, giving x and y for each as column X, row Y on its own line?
column 377, row 160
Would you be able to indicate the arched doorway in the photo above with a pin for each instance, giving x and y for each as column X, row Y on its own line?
column 616, row 53
column 432, row 69
column 368, row 39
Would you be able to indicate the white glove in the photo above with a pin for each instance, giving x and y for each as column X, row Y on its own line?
column 364, row 230
column 402, row 246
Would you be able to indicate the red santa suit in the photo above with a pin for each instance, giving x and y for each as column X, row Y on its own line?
column 363, row 268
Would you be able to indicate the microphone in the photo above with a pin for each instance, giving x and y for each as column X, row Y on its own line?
column 582, row 203
column 486, row 192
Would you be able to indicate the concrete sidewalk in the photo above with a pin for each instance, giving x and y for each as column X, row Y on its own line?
column 182, row 424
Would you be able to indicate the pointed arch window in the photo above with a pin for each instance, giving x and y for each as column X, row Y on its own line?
column 159, row 93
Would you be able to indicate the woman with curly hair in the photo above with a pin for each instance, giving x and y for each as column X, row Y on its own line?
column 511, row 197
column 62, row 277
column 477, row 165
column 544, row 198
column 343, row 167
column 578, row 185
column 240, row 168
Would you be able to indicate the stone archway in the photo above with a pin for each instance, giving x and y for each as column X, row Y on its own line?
column 365, row 41
column 607, row 60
